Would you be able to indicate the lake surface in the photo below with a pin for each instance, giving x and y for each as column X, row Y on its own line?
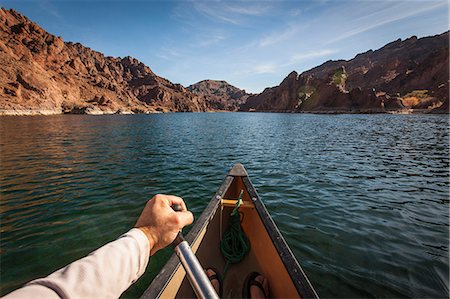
column 362, row 200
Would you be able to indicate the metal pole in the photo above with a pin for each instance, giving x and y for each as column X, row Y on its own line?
column 195, row 273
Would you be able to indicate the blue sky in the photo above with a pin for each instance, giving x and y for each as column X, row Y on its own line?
column 250, row 44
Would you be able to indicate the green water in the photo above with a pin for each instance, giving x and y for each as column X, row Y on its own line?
column 362, row 200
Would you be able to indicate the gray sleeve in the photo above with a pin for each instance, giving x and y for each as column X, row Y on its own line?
column 105, row 273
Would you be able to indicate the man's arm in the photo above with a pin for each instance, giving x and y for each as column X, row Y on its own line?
column 111, row 269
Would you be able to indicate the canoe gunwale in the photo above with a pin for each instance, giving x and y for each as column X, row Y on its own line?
column 295, row 271
column 298, row 276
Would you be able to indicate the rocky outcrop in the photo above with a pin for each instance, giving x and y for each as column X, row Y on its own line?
column 409, row 75
column 41, row 74
column 219, row 95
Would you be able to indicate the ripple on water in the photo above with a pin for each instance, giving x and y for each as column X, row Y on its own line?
column 362, row 200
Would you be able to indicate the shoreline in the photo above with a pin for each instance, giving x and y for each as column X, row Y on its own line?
column 48, row 112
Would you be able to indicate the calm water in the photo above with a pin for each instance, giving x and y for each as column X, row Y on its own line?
column 363, row 200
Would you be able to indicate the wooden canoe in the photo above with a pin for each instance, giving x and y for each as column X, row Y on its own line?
column 269, row 253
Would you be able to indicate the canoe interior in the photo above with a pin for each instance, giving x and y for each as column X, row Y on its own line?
column 264, row 256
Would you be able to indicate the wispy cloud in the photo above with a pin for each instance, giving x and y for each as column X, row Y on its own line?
column 169, row 53
column 280, row 36
column 230, row 12
column 295, row 12
column 47, row 6
column 208, row 40
column 385, row 15
column 250, row 9
column 215, row 14
column 296, row 58
column 265, row 68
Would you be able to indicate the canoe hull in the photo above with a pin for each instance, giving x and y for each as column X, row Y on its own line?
column 269, row 254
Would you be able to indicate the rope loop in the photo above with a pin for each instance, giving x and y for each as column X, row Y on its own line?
column 235, row 244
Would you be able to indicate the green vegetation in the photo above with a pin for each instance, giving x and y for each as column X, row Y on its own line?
column 306, row 96
column 339, row 77
column 305, row 91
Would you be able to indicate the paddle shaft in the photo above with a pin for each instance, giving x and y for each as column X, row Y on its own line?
column 197, row 277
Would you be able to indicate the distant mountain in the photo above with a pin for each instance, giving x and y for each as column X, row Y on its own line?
column 219, row 94
column 402, row 76
column 41, row 74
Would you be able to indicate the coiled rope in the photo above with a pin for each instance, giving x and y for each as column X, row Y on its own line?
column 235, row 244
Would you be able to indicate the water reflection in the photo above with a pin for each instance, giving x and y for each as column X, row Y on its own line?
column 362, row 200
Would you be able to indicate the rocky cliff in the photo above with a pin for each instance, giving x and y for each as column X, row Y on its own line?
column 41, row 74
column 409, row 75
column 219, row 94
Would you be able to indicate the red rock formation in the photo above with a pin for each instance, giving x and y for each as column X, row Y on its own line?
column 219, row 95
column 410, row 74
column 41, row 74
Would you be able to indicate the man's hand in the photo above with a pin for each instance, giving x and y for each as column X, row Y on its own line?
column 160, row 223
